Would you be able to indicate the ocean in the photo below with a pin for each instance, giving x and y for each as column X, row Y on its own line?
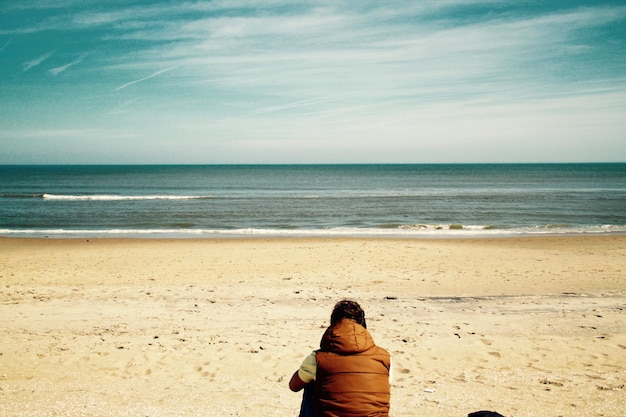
column 189, row 201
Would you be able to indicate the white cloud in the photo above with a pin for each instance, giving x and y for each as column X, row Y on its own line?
column 407, row 77
column 294, row 52
column 144, row 78
column 58, row 70
column 37, row 61
column 5, row 45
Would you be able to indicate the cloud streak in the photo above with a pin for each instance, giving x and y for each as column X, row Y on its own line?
column 58, row 70
column 3, row 47
column 128, row 84
column 289, row 106
column 397, row 56
column 37, row 61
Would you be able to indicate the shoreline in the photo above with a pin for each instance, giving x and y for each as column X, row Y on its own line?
column 429, row 232
column 314, row 237
column 524, row 326
column 328, row 237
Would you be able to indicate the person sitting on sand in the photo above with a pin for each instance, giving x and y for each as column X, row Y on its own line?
column 349, row 374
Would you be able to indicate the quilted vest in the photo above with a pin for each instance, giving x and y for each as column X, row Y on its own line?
column 352, row 373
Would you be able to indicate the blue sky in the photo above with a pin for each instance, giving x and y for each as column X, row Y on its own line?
column 281, row 81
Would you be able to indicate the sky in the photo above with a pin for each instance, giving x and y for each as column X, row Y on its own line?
column 298, row 81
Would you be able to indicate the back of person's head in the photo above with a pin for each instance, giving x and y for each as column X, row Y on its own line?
column 348, row 309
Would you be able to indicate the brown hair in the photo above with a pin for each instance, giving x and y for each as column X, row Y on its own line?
column 348, row 309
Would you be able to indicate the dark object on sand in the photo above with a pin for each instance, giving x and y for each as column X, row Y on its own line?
column 485, row 414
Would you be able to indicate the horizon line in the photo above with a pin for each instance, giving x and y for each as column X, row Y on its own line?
column 314, row 163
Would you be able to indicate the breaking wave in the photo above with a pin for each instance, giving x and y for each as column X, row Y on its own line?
column 114, row 197
column 406, row 231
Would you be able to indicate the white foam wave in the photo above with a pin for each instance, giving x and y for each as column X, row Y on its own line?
column 431, row 231
column 115, row 197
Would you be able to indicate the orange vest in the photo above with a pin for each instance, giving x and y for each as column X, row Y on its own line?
column 352, row 373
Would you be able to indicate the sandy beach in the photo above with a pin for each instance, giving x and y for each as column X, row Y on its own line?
column 215, row 327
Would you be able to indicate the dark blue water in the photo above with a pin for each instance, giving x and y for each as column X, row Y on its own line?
column 236, row 200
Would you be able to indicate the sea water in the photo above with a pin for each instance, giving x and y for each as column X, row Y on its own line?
column 439, row 200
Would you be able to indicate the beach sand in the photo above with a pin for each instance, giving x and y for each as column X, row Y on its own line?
column 147, row 327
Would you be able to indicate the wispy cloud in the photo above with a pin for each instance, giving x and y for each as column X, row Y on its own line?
column 306, row 51
column 289, row 106
column 5, row 45
column 31, row 64
column 38, row 5
column 121, row 87
column 62, row 134
column 58, row 70
column 293, row 69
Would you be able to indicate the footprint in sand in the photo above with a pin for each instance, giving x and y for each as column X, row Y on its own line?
column 202, row 372
column 460, row 378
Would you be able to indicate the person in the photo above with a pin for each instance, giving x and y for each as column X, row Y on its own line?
column 349, row 374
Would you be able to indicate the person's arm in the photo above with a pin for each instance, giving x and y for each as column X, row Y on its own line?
column 305, row 374
column 296, row 384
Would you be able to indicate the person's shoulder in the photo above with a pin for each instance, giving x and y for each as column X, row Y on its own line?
column 382, row 349
column 311, row 358
column 382, row 352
